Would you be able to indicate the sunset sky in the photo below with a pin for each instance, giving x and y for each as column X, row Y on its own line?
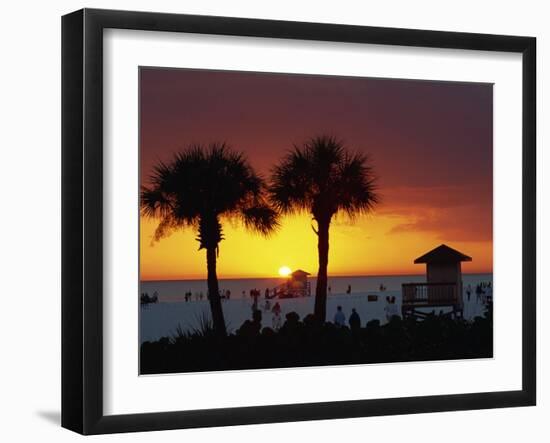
column 430, row 144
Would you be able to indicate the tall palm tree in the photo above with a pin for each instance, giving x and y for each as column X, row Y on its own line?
column 200, row 188
column 322, row 177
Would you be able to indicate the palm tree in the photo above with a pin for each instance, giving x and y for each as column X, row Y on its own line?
column 200, row 188
column 322, row 177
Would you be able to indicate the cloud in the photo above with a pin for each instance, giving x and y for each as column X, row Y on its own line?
column 450, row 213
column 403, row 197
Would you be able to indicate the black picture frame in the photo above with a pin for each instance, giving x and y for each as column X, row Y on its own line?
column 82, row 218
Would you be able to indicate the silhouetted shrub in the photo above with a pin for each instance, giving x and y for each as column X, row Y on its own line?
column 292, row 317
column 311, row 343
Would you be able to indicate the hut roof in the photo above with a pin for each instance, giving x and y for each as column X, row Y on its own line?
column 443, row 254
column 299, row 273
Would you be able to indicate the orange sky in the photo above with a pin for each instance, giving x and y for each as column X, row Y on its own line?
column 364, row 248
column 430, row 144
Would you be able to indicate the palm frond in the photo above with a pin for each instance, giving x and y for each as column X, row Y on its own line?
column 166, row 226
column 357, row 189
column 203, row 184
column 323, row 177
column 154, row 202
column 291, row 182
column 260, row 218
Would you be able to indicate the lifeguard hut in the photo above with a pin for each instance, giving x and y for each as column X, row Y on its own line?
column 297, row 285
column 443, row 288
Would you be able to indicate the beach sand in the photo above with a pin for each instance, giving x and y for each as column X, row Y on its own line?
column 162, row 319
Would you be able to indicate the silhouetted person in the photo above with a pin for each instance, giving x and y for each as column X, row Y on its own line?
column 339, row 317
column 354, row 320
column 276, row 308
column 469, row 292
column 257, row 316
column 254, row 293
column 479, row 291
column 348, row 291
column 277, row 320
column 266, row 293
column 391, row 308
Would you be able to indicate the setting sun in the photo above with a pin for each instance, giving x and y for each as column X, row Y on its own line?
column 284, row 271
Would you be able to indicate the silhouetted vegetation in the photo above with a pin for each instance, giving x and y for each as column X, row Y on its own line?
column 200, row 188
column 308, row 342
column 323, row 178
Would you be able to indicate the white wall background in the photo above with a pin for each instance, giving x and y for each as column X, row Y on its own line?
column 30, row 218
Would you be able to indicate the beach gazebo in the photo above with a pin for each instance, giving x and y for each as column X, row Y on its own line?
column 443, row 286
column 297, row 285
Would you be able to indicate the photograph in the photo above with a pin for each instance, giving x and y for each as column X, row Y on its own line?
column 295, row 220
column 261, row 222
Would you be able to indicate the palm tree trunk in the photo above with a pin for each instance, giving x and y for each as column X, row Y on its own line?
column 214, row 294
column 320, row 310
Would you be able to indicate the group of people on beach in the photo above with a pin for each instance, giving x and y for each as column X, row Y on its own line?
column 275, row 310
column 225, row 294
column 354, row 320
column 483, row 291
column 188, row 296
column 145, row 299
column 348, row 290
column 255, row 295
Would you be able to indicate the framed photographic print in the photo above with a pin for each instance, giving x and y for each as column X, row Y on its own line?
column 269, row 221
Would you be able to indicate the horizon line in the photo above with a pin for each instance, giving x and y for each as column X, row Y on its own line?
column 312, row 276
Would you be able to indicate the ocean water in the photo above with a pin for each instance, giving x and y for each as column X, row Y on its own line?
column 170, row 291
column 162, row 319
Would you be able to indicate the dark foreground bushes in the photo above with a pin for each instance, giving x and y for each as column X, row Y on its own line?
column 307, row 343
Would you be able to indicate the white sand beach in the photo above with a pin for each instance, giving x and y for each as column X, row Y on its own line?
column 162, row 319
